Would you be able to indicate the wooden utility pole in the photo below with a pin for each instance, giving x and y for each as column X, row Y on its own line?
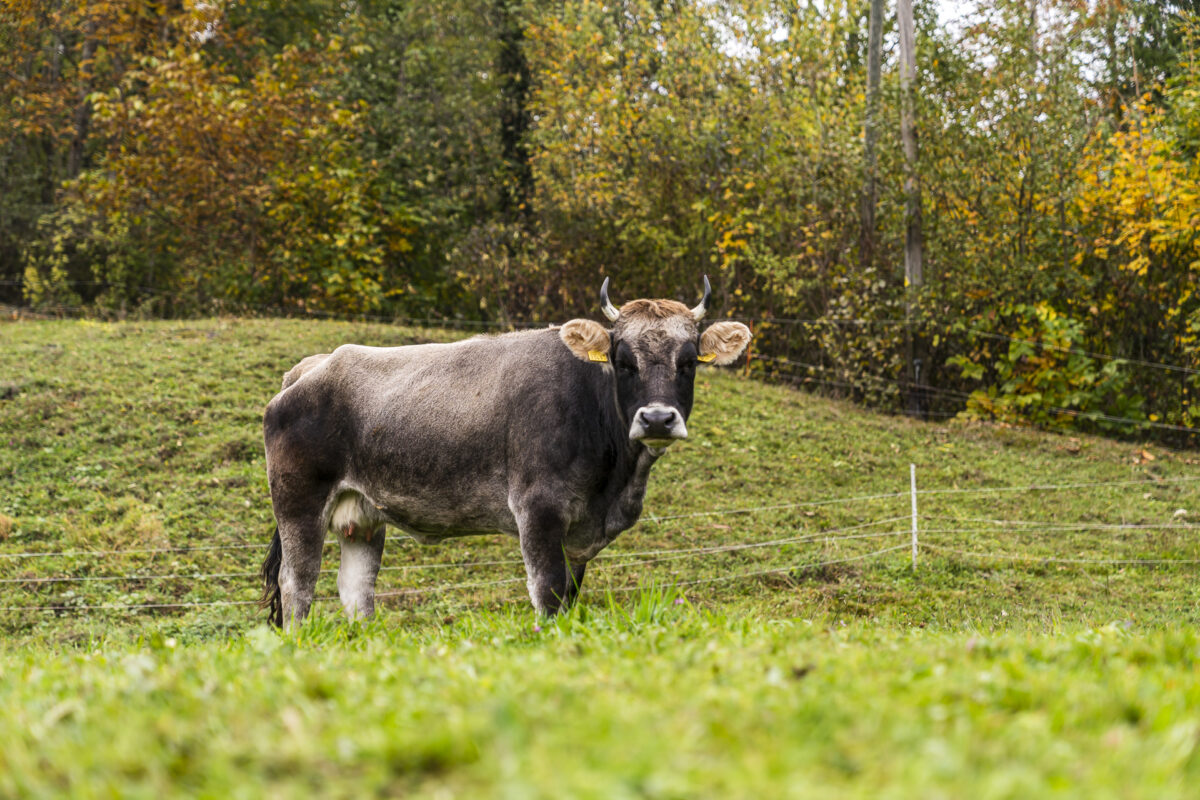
column 866, row 238
column 913, row 276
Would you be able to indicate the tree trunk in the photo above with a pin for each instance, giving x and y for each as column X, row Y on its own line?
column 83, row 106
column 515, row 80
column 1114, row 68
column 866, row 238
column 50, row 177
column 908, row 134
column 913, row 275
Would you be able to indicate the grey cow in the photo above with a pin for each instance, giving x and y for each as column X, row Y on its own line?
column 547, row 435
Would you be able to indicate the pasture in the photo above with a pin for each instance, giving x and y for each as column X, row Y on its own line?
column 761, row 633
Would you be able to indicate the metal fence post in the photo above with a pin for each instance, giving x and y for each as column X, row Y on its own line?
column 912, row 474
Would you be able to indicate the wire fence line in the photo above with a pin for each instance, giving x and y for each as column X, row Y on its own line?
column 1058, row 559
column 620, row 560
column 982, row 333
column 1089, row 354
column 125, row 578
column 616, row 558
column 818, row 535
column 787, row 570
column 1010, row 526
column 954, row 397
column 455, row 322
column 778, row 506
column 386, row 593
column 782, row 570
column 418, row 590
column 651, row 517
column 240, row 545
column 209, row 603
column 744, row 547
column 130, row 606
column 960, row 395
column 644, row 558
column 130, row 551
column 1062, row 529
column 1047, row 487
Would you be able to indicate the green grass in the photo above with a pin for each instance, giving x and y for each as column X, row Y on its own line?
column 740, row 673
column 670, row 702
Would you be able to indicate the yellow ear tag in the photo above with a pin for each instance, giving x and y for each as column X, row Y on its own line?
column 707, row 357
column 597, row 355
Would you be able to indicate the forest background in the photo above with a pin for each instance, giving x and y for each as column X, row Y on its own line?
column 493, row 160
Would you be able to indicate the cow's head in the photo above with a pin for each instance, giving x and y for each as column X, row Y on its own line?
column 652, row 351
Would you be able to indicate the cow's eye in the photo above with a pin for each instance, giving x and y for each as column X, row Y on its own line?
column 627, row 365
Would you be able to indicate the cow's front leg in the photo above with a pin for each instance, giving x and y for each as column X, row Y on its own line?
column 547, row 571
column 362, row 553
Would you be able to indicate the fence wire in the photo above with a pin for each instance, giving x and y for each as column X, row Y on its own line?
column 643, row 558
column 618, row 560
column 651, row 518
column 1056, row 559
column 455, row 322
column 418, row 590
column 957, row 395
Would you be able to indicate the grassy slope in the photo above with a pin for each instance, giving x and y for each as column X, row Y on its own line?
column 980, row 676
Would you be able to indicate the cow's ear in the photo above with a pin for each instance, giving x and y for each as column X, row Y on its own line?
column 722, row 342
column 588, row 340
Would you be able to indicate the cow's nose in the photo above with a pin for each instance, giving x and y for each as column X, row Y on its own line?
column 658, row 421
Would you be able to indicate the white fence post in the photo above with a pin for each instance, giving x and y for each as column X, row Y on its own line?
column 912, row 474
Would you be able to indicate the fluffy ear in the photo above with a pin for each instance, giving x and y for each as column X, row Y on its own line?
column 588, row 340
column 723, row 342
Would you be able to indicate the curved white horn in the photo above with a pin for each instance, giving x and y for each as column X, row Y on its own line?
column 699, row 311
column 608, row 308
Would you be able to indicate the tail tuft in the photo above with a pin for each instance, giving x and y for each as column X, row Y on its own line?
column 272, row 598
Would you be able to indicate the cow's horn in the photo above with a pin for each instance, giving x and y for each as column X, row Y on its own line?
column 699, row 311
column 608, row 308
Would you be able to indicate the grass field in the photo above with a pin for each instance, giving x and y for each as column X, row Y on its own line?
column 1037, row 650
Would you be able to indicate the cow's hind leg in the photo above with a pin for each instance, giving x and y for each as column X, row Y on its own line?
column 302, row 543
column 362, row 552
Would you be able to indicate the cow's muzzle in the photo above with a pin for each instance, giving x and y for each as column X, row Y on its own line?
column 657, row 425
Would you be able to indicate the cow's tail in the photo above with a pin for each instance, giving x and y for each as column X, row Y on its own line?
column 272, row 598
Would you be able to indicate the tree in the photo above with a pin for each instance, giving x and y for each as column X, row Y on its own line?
column 219, row 191
column 913, row 272
column 866, row 240
column 53, row 57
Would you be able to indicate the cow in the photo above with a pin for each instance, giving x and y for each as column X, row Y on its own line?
column 546, row 435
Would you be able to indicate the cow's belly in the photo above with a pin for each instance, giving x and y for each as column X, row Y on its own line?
column 354, row 510
column 433, row 487
column 435, row 512
column 430, row 529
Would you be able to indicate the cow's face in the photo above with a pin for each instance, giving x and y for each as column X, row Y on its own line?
column 652, row 353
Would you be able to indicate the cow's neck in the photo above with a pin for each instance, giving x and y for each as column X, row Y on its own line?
column 628, row 491
column 626, row 485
